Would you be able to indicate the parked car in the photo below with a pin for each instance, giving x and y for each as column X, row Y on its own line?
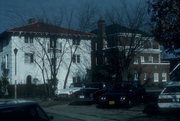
column 169, row 98
column 89, row 93
column 124, row 93
column 22, row 111
column 66, row 93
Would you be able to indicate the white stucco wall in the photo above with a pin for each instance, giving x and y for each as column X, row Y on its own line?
column 25, row 69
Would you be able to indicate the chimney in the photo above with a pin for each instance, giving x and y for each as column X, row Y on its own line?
column 102, row 33
column 32, row 20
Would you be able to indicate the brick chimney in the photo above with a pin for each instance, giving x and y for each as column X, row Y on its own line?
column 32, row 20
column 102, row 34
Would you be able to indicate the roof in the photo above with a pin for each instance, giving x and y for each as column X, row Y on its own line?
column 47, row 28
column 117, row 28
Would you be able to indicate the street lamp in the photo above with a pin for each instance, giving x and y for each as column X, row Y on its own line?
column 15, row 85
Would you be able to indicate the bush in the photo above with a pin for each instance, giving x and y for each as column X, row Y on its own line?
column 3, row 86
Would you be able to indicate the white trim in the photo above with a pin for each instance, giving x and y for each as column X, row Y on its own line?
column 155, row 63
column 151, row 51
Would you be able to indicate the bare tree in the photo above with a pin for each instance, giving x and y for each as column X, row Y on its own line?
column 87, row 16
column 48, row 57
column 129, row 40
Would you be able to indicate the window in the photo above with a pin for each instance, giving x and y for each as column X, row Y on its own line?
column 145, row 76
column 76, row 41
column 6, row 62
column 59, row 46
column 29, row 58
column 76, row 58
column 164, row 77
column 76, row 79
column 135, row 60
column 28, row 39
column 156, row 77
column 96, row 46
column 150, row 59
column 96, row 59
column 142, row 59
column 52, row 43
column 135, row 76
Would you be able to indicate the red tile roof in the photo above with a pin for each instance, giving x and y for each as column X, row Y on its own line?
column 49, row 28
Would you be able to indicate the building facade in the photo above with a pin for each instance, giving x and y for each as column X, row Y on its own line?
column 34, row 52
column 135, row 52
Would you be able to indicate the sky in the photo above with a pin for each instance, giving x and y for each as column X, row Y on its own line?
column 10, row 10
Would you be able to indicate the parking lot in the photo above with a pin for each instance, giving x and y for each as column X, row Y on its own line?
column 92, row 113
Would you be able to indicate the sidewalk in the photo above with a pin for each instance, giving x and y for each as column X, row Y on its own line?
column 91, row 113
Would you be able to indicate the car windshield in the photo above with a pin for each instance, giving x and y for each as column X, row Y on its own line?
column 172, row 89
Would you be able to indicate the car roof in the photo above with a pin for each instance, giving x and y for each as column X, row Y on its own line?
column 16, row 103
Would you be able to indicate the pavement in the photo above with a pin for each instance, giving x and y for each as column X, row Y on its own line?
column 91, row 113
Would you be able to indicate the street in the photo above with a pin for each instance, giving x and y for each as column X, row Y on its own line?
column 92, row 113
column 57, row 117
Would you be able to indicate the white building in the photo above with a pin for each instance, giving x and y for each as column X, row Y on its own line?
column 38, row 44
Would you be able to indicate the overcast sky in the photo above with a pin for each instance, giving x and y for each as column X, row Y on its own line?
column 11, row 9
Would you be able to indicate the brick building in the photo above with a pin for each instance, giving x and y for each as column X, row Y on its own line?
column 140, row 61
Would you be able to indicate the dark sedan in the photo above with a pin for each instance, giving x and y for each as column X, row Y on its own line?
column 123, row 94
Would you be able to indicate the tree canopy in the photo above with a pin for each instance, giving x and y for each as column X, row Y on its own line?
column 166, row 22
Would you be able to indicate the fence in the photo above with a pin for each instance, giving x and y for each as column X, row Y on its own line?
column 28, row 90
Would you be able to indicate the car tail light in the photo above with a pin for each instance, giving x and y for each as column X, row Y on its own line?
column 164, row 100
